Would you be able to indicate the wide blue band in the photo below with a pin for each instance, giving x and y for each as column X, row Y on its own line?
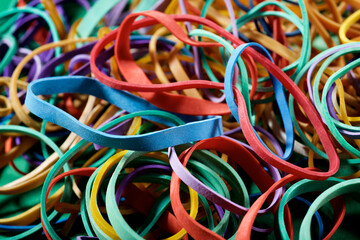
column 173, row 136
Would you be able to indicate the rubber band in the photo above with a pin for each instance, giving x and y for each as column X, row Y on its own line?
column 51, row 8
column 192, row 227
column 113, row 96
column 353, row 18
column 302, row 187
column 332, row 192
column 291, row 99
column 122, row 233
column 279, row 95
column 161, row 75
column 16, row 103
column 61, row 163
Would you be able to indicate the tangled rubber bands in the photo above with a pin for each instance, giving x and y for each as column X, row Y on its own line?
column 179, row 119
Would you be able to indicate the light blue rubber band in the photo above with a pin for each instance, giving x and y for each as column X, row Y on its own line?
column 279, row 96
column 173, row 136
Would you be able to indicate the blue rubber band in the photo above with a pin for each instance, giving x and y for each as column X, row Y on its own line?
column 278, row 91
column 146, row 142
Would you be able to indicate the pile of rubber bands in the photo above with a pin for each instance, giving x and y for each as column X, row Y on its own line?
column 179, row 119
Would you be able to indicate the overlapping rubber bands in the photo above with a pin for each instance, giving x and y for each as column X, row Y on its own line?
column 179, row 119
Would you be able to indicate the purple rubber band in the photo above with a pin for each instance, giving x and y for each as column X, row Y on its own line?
column 113, row 15
column 312, row 68
column 81, row 58
column 347, row 133
column 147, row 169
column 329, row 103
column 209, row 193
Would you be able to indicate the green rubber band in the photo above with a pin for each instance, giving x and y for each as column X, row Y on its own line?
column 341, row 188
column 321, row 70
column 118, row 222
column 144, row 5
column 32, row 133
column 156, row 210
column 98, row 232
column 85, row 218
column 301, row 187
column 214, row 181
column 306, row 50
column 93, row 17
column 40, row 13
column 103, row 159
column 290, row 16
column 325, row 111
column 239, row 193
column 71, row 152
column 35, row 134
column 291, row 101
column 13, row 47
column 5, row 5
column 54, row 34
column 203, row 57
column 211, row 179
column 243, row 72
column 326, row 91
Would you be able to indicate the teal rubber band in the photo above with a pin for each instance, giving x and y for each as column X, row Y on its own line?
column 243, row 72
column 301, row 187
column 13, row 47
column 324, row 65
column 35, row 134
column 94, row 15
column 206, row 66
column 159, row 206
column 40, row 13
column 325, row 111
column 339, row 189
column 303, row 26
column 239, row 192
column 5, row 5
column 118, row 222
column 291, row 100
column 214, row 181
column 85, row 218
column 98, row 232
column 163, row 201
column 103, row 159
column 120, row 225
column 144, row 5
column 211, row 179
column 65, row 158
column 154, row 215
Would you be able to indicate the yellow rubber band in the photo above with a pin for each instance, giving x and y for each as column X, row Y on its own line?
column 345, row 26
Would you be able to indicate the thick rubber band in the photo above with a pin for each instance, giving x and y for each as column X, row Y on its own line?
column 75, row 84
